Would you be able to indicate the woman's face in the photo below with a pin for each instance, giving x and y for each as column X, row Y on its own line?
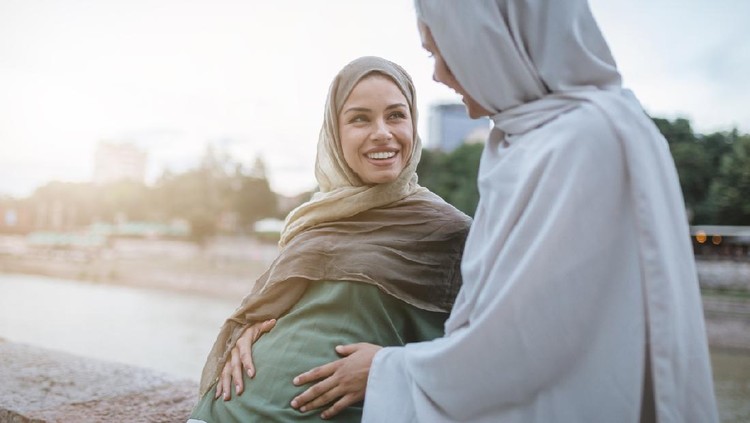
column 376, row 130
column 443, row 74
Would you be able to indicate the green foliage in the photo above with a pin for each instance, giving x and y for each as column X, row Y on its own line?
column 714, row 172
column 453, row 176
column 218, row 195
column 698, row 159
column 729, row 198
column 695, row 170
column 676, row 131
column 219, row 188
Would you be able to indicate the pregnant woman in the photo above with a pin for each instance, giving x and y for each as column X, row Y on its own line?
column 372, row 257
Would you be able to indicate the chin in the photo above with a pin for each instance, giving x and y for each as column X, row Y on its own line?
column 381, row 179
column 474, row 110
column 475, row 114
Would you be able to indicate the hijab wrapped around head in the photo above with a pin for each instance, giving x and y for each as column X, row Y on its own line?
column 342, row 193
column 397, row 236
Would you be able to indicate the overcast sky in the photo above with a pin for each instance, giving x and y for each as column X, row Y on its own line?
column 251, row 76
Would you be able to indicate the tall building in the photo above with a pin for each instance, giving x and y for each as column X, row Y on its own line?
column 450, row 126
column 119, row 161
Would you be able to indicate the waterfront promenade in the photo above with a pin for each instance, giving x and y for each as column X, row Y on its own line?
column 45, row 385
column 227, row 268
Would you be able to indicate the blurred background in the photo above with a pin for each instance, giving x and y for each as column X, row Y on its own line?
column 149, row 151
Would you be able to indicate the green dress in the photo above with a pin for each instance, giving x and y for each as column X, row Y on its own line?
column 328, row 314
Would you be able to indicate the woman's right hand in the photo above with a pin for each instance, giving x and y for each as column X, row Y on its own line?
column 241, row 357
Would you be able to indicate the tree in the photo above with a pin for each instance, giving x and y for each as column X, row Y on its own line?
column 676, row 131
column 64, row 205
column 193, row 196
column 729, row 197
column 254, row 200
column 697, row 159
column 695, row 172
column 218, row 187
column 453, row 176
column 128, row 199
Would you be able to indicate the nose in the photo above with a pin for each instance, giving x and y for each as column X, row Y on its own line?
column 381, row 131
column 434, row 77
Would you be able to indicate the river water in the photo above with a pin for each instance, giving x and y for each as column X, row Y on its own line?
column 172, row 332
column 165, row 331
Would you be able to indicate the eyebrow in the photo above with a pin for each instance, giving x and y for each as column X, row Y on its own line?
column 365, row 109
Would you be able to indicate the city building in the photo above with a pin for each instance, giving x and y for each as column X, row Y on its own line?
column 450, row 126
column 119, row 161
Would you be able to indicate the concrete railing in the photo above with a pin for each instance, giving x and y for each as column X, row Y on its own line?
column 39, row 385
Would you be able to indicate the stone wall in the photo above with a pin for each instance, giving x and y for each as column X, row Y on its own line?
column 39, row 385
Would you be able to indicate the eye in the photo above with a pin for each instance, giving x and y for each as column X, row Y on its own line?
column 357, row 119
column 397, row 115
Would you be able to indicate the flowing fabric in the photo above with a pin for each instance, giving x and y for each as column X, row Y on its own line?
column 578, row 270
column 342, row 193
column 397, row 236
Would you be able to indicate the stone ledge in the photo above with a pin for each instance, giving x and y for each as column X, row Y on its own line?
column 40, row 385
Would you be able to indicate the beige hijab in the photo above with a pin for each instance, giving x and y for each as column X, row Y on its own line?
column 342, row 192
column 397, row 236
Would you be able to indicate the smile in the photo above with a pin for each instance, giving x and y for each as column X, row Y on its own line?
column 381, row 155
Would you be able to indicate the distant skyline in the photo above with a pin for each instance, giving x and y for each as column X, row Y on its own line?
column 251, row 77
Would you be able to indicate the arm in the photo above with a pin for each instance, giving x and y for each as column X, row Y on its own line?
column 241, row 357
column 343, row 381
column 546, row 267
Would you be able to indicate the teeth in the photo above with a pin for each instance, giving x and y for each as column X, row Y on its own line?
column 381, row 155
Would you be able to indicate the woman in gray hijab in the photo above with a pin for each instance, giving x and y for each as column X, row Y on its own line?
column 580, row 300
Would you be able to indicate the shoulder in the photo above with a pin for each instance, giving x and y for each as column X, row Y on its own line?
column 576, row 149
column 581, row 138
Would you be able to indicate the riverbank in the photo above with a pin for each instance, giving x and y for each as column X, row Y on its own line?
column 226, row 268
column 223, row 268
column 172, row 332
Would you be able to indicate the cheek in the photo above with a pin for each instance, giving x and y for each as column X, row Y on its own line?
column 349, row 147
column 442, row 72
column 407, row 142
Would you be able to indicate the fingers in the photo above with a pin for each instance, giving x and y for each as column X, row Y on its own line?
column 339, row 406
column 223, row 387
column 246, row 341
column 245, row 348
column 316, row 396
column 236, row 371
column 246, row 357
column 241, row 357
column 219, row 389
column 344, row 350
column 317, row 373
column 266, row 327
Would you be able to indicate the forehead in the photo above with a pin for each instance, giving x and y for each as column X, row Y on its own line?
column 376, row 86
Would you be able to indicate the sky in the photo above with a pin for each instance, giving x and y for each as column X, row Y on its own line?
column 251, row 76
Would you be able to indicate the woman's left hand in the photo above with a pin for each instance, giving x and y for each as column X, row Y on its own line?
column 343, row 381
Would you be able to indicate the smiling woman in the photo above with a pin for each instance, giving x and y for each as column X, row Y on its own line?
column 371, row 258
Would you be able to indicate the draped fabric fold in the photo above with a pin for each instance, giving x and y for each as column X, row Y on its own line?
column 397, row 236
column 579, row 262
